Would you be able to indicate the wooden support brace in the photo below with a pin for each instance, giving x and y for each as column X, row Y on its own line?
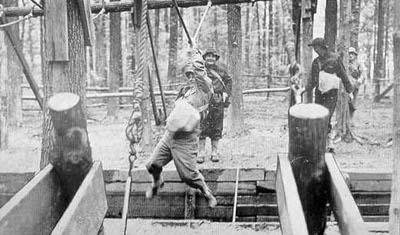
column 86, row 212
column 236, row 195
column 87, row 21
column 190, row 203
column 36, row 208
column 289, row 206
column 24, row 64
column 345, row 208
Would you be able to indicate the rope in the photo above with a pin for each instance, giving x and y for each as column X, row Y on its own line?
column 30, row 15
column 37, row 4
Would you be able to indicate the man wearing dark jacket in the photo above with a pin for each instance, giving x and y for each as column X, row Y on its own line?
column 213, row 124
column 329, row 63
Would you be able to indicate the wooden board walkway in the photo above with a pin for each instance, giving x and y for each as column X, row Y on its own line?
column 256, row 199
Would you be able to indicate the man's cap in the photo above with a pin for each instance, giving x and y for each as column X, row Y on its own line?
column 353, row 50
column 318, row 41
column 211, row 51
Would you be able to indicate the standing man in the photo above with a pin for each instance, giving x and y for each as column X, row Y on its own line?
column 179, row 142
column 327, row 71
column 213, row 124
column 355, row 72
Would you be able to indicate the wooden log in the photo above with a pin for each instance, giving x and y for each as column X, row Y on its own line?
column 86, row 212
column 36, row 208
column 127, row 6
column 71, row 156
column 345, row 208
column 308, row 125
column 290, row 211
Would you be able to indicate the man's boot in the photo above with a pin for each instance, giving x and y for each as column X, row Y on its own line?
column 202, row 151
column 212, row 202
column 158, row 183
column 214, row 151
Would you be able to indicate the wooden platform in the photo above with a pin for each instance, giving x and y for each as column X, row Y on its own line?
column 256, row 200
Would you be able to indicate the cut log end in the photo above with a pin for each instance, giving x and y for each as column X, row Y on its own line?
column 308, row 111
column 63, row 101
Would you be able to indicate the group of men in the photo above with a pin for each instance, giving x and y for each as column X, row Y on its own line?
column 327, row 64
column 199, row 111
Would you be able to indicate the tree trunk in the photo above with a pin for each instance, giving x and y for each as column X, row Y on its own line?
column 264, row 39
column 259, row 52
column 270, row 38
column 173, row 47
column 115, row 74
column 247, row 39
column 236, row 122
column 342, row 107
column 14, row 74
column 378, row 67
column 3, row 94
column 157, row 31
column 100, row 52
column 394, row 211
column 69, row 76
column 306, row 37
column 307, row 135
column 331, row 23
column 215, row 24
column 355, row 23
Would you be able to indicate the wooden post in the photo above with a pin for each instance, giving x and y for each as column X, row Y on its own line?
column 190, row 203
column 71, row 155
column 3, row 94
column 308, row 125
column 306, row 38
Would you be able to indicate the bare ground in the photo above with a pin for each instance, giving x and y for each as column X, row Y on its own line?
column 266, row 136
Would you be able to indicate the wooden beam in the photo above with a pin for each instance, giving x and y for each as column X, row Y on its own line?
column 24, row 64
column 345, row 208
column 56, row 31
column 289, row 205
column 87, row 21
column 36, row 208
column 127, row 6
column 86, row 212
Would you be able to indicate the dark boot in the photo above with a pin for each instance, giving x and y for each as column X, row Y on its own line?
column 214, row 151
column 212, row 202
column 158, row 183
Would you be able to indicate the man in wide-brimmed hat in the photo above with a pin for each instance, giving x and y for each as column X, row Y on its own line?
column 213, row 124
column 326, row 90
column 179, row 143
column 356, row 75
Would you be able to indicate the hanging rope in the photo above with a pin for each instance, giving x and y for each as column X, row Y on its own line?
column 30, row 15
column 134, row 129
column 196, row 35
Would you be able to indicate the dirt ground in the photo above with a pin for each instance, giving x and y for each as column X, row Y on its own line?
column 265, row 138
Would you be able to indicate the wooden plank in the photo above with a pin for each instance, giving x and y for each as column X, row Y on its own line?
column 219, row 213
column 36, row 207
column 87, row 22
column 266, row 186
column 218, row 188
column 210, row 175
column 371, row 197
column 13, row 182
column 289, row 206
column 345, row 208
column 371, row 185
column 56, row 30
column 370, row 174
column 253, row 210
column 374, row 209
column 86, row 212
column 376, row 218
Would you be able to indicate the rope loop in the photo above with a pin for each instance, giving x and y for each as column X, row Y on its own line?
column 103, row 10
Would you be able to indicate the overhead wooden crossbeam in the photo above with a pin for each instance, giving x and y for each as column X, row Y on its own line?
column 127, row 6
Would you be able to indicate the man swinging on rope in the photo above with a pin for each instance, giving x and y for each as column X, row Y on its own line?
column 179, row 142
column 212, row 125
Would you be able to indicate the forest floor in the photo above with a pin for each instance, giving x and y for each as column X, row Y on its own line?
column 266, row 136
